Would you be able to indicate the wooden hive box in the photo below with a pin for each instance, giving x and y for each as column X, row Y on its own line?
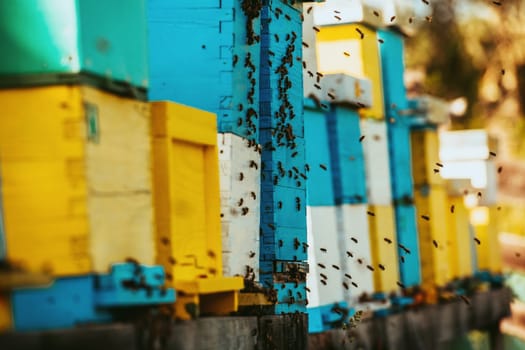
column 187, row 209
column 76, row 184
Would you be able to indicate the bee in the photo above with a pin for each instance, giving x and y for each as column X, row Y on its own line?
column 500, row 169
column 310, row 74
column 306, row 45
column 241, row 176
column 402, row 258
column 332, row 96
column 337, row 18
column 426, row 2
column 321, row 265
column 323, row 250
column 400, row 284
column 279, row 205
column 132, row 261
column 350, row 255
column 294, row 154
column 307, row 289
column 211, row 254
column 317, row 86
column 355, row 285
column 316, row 29
column 435, row 243
column 439, row 165
column 479, row 194
column 360, row 261
column 303, row 176
column 235, row 59
column 381, row 41
column 297, row 203
column 387, row 240
column 336, row 267
column 335, row 11
column 323, row 276
column 348, row 276
column 477, row 240
column 245, row 211
column 392, row 19
column 428, row 18
column 465, row 299
column 360, row 33
column 287, row 17
column 304, row 64
column 280, row 243
column 251, row 254
column 322, row 166
column 436, row 171
column 253, row 164
column 172, row 260
column 240, row 202
column 306, row 167
column 347, row 54
column 169, row 276
column 309, row 10
column 276, row 37
column 272, row 226
column 323, row 282
column 354, row 239
column 452, row 207
column 370, row 213
column 425, row 217
column 165, row 240
column 370, row 267
column 381, row 267
column 376, row 13
column 503, row 72
column 253, row 195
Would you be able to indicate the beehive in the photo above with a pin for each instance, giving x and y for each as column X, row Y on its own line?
column 458, row 232
column 353, row 49
column 384, row 254
column 215, row 45
column 239, row 169
column 357, row 251
column 377, row 162
column 76, row 185
column 425, row 155
column 432, row 219
column 488, row 252
column 187, row 209
column 74, row 40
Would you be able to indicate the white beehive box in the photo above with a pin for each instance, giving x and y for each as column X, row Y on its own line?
column 375, row 147
column 239, row 167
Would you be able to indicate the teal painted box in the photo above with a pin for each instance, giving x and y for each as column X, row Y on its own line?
column 59, row 41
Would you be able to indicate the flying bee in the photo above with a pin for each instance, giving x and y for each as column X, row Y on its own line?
column 361, row 34
column 241, row 176
column 251, row 254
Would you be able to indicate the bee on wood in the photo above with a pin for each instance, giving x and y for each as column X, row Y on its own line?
column 477, row 240
column 241, row 176
column 392, row 19
column 240, row 202
column 309, row 9
column 348, row 276
column 251, row 254
column 361, row 34
column 387, row 240
column 350, row 255
column 323, row 282
column 323, row 276
column 371, row 213
column 354, row 239
column 435, row 243
column 355, row 285
column 370, row 267
column 253, row 195
column 425, row 217
column 323, row 250
column 321, row 265
column 347, row 54
column 305, row 45
column 400, row 284
column 336, row 267
column 338, row 18
column 322, row 166
column 316, row 29
column 381, row 267
column 245, row 211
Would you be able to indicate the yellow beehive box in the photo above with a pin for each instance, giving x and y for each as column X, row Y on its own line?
column 460, row 242
column 5, row 313
column 383, row 242
column 187, row 209
column 425, row 155
column 432, row 219
column 488, row 253
column 353, row 49
column 77, row 190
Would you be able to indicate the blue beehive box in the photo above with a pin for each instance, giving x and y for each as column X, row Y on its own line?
column 78, row 300
column 283, row 193
column 347, row 155
column 206, row 54
column 396, row 105
column 320, row 189
column 61, row 41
